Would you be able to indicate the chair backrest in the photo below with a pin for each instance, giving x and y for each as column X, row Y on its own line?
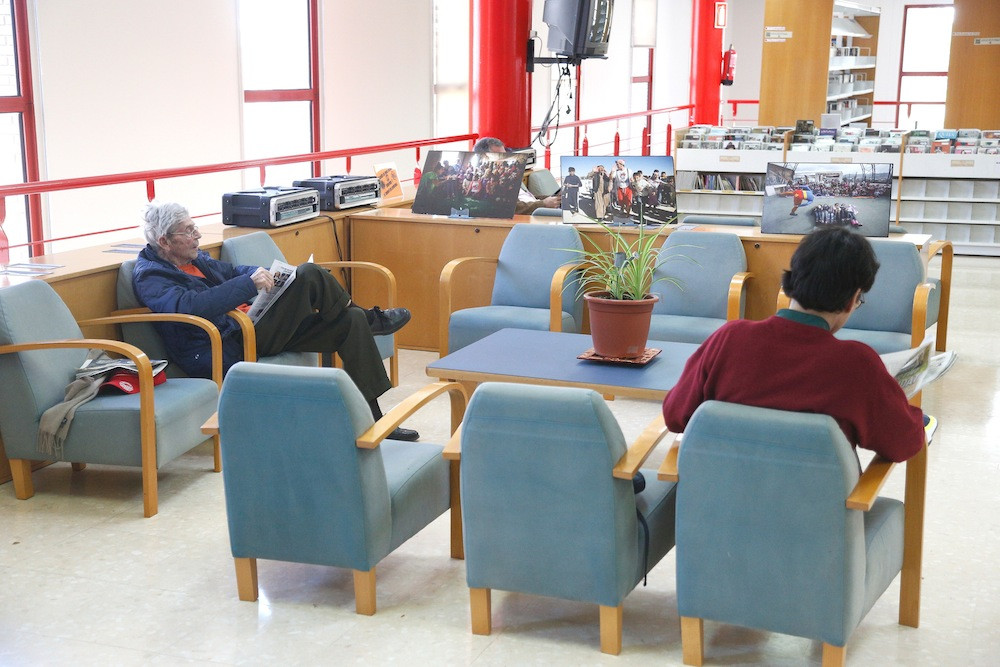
column 529, row 257
column 889, row 303
column 141, row 334
column 33, row 381
column 541, row 183
column 764, row 539
column 541, row 510
column 704, row 264
column 297, row 487
column 732, row 220
column 253, row 249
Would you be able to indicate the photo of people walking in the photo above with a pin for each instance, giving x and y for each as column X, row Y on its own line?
column 618, row 189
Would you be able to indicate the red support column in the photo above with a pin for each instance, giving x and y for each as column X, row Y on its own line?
column 498, row 91
column 706, row 63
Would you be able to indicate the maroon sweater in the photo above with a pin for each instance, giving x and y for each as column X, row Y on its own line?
column 791, row 361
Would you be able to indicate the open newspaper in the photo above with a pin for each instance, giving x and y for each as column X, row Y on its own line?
column 915, row 369
column 98, row 363
column 283, row 274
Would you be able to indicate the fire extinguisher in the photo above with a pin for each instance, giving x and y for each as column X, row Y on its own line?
column 728, row 66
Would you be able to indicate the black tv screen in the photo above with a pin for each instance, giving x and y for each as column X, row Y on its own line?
column 799, row 197
column 578, row 28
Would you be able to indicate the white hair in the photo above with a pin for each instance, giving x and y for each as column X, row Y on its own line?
column 160, row 218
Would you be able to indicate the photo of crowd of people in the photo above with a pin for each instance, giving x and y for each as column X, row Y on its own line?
column 799, row 197
column 468, row 184
column 618, row 189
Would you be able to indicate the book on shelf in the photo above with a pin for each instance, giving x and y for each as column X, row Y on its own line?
column 917, row 148
column 991, row 134
column 964, row 150
column 920, row 133
column 941, row 146
column 800, row 147
column 804, row 126
column 843, row 147
column 828, row 132
column 762, row 129
column 989, row 150
column 969, row 133
column 752, row 145
column 946, row 134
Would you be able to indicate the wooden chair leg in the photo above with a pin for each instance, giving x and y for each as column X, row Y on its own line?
column 913, row 539
column 394, row 369
column 364, row 592
column 834, row 656
column 217, row 453
column 457, row 543
column 611, row 630
column 482, row 614
column 693, row 640
column 20, row 470
column 77, row 467
column 246, row 578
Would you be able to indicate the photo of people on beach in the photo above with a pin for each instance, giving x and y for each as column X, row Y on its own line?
column 799, row 197
column 618, row 189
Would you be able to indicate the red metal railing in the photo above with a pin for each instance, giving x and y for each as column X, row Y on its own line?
column 151, row 176
column 581, row 146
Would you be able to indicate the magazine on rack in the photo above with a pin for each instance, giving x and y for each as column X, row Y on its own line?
column 283, row 274
column 915, row 369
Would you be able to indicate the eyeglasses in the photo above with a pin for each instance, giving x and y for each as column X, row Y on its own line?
column 861, row 300
column 190, row 232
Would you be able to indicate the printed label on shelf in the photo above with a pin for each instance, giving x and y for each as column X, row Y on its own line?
column 842, row 160
column 963, row 163
column 729, row 158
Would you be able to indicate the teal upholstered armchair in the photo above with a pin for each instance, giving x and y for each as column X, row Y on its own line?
column 140, row 331
column 711, row 269
column 41, row 346
column 903, row 303
column 259, row 249
column 778, row 530
column 548, row 505
column 528, row 291
column 310, row 479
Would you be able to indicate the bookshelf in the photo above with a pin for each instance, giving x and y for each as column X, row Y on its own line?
column 825, row 54
column 720, row 181
column 954, row 197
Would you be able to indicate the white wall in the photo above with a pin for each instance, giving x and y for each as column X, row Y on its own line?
column 745, row 31
column 128, row 85
column 377, row 78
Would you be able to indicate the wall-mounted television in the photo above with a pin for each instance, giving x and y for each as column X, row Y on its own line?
column 578, row 28
column 800, row 196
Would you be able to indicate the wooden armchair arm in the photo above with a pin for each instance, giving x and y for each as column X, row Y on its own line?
column 145, row 315
column 381, row 429
column 556, row 291
column 249, row 334
column 918, row 325
column 637, row 453
column 668, row 469
column 947, row 252
column 453, row 450
column 737, row 287
column 869, row 484
column 387, row 275
column 783, row 299
column 444, row 295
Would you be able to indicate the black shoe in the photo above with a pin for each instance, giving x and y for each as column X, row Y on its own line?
column 385, row 322
column 407, row 434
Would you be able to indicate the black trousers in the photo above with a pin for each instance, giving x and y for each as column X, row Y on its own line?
column 315, row 315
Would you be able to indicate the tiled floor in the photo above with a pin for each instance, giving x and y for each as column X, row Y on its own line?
column 85, row 580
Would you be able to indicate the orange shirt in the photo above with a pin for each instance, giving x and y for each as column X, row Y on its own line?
column 193, row 270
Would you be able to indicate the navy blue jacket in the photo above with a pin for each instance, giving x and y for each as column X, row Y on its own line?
column 164, row 288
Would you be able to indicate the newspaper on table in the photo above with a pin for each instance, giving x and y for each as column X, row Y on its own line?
column 283, row 274
column 98, row 363
column 915, row 369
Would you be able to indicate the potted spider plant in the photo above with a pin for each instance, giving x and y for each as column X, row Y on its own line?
column 616, row 284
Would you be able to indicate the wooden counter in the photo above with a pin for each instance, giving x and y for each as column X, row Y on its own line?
column 416, row 247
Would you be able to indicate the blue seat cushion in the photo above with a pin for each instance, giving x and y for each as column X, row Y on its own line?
column 291, row 359
column 418, row 479
column 881, row 341
column 106, row 429
column 470, row 324
column 682, row 329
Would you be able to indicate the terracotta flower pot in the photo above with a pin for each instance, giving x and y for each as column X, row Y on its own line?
column 619, row 328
